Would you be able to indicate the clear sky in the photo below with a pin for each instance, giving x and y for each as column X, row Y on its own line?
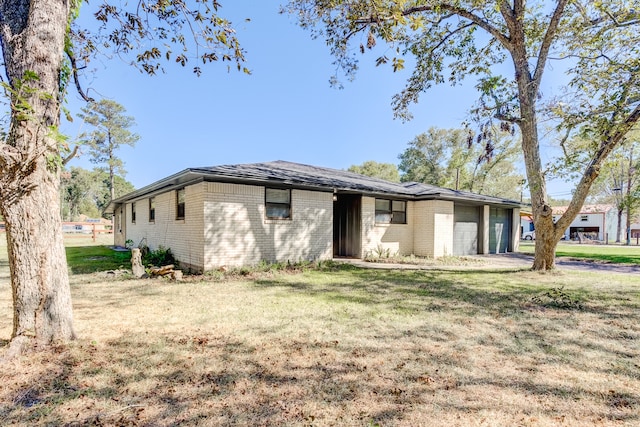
column 285, row 110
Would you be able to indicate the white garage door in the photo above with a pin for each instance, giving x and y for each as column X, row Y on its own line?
column 465, row 229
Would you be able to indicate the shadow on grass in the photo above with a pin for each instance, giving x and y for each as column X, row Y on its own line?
column 411, row 290
column 221, row 380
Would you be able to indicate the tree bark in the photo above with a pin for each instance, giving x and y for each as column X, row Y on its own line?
column 32, row 35
column 619, row 229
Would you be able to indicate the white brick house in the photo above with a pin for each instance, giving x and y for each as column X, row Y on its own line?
column 280, row 211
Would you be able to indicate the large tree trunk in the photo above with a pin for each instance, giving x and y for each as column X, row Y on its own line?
column 547, row 235
column 33, row 35
column 39, row 278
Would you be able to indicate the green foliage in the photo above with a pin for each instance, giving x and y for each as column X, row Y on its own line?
column 386, row 171
column 157, row 31
column 87, row 192
column 157, row 258
column 449, row 158
column 111, row 130
column 619, row 179
column 379, row 253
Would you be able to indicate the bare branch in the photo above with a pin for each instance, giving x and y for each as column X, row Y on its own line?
column 547, row 41
column 74, row 69
column 73, row 153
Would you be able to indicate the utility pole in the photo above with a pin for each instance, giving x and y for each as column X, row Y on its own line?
column 630, row 173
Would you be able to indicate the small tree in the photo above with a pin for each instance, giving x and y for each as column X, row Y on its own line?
column 111, row 131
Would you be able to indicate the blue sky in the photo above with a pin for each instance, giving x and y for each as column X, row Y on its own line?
column 285, row 110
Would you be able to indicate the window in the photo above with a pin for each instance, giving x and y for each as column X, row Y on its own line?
column 584, row 217
column 152, row 209
column 277, row 203
column 133, row 212
column 180, row 196
column 391, row 211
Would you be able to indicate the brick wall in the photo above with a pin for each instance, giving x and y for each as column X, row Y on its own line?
column 433, row 227
column 236, row 231
column 398, row 238
column 183, row 236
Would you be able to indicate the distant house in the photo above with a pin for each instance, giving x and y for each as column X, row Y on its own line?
column 277, row 211
column 526, row 225
column 593, row 222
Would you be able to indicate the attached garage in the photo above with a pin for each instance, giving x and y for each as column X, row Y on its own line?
column 499, row 230
column 466, row 226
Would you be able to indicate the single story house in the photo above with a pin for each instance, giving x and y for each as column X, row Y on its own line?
column 593, row 222
column 237, row 215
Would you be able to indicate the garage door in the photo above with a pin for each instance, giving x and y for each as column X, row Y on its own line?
column 465, row 229
column 499, row 230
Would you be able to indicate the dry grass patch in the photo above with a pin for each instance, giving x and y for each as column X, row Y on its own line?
column 338, row 347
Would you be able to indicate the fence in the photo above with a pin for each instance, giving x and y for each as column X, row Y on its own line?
column 80, row 229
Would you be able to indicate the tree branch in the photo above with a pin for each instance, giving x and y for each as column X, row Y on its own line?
column 74, row 69
column 71, row 155
column 609, row 143
column 547, row 41
column 477, row 20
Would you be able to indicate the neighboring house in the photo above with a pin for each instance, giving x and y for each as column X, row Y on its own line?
column 526, row 226
column 594, row 222
column 280, row 211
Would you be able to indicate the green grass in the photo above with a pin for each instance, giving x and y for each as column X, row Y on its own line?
column 606, row 253
column 91, row 259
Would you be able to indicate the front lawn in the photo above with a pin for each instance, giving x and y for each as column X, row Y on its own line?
column 339, row 346
column 607, row 253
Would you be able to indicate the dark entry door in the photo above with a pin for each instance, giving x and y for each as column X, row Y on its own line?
column 346, row 225
column 499, row 230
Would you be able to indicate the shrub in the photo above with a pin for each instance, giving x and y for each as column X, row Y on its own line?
column 159, row 257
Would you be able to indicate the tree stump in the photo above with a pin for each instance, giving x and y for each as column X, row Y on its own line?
column 136, row 263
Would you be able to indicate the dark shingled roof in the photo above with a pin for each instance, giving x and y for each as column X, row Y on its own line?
column 296, row 175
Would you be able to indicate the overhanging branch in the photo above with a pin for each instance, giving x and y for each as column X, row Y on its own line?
column 76, row 79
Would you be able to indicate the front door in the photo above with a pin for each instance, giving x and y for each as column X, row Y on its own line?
column 346, row 225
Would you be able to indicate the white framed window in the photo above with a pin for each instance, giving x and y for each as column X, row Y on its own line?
column 391, row 211
column 277, row 203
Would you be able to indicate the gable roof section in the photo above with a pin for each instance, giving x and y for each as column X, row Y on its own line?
column 295, row 175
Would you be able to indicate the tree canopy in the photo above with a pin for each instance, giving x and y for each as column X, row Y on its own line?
column 448, row 158
column 387, row 171
column 449, row 41
column 88, row 192
column 110, row 131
